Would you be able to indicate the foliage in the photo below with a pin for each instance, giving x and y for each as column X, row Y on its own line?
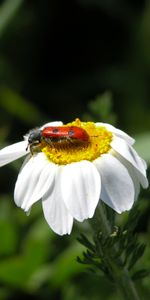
column 127, row 249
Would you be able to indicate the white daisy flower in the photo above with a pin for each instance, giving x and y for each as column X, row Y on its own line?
column 71, row 167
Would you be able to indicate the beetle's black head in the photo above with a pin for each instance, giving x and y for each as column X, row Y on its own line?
column 34, row 139
column 34, row 136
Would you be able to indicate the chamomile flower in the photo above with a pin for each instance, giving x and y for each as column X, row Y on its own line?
column 70, row 173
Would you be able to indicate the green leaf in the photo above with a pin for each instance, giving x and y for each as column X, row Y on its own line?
column 136, row 255
column 7, row 12
column 101, row 109
column 140, row 274
column 19, row 107
column 33, row 254
column 85, row 241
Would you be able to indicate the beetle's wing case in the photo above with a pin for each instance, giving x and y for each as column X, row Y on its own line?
column 65, row 132
column 55, row 132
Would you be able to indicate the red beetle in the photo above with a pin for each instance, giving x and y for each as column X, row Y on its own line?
column 58, row 133
column 55, row 134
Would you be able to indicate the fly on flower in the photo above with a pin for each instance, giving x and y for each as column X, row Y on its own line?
column 75, row 166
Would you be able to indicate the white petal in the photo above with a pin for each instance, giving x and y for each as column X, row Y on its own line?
column 132, row 173
column 121, row 147
column 56, row 123
column 144, row 163
column 12, row 152
column 117, row 186
column 81, row 189
column 117, row 132
column 55, row 211
column 33, row 181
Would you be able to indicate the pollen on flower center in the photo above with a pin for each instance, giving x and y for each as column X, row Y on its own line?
column 67, row 151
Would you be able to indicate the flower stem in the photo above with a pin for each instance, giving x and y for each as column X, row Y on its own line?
column 121, row 276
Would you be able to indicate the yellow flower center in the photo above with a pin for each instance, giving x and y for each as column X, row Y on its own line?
column 66, row 151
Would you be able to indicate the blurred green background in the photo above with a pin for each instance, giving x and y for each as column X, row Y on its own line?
column 60, row 60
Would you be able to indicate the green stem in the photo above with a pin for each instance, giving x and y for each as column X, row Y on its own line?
column 121, row 276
